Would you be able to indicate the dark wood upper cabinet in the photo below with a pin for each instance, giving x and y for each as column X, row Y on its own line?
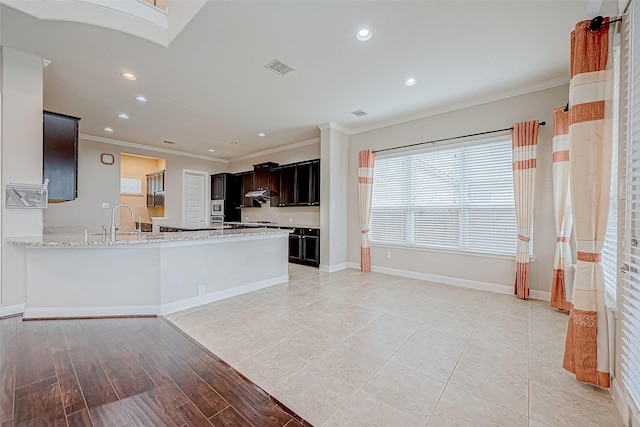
column 262, row 176
column 288, row 185
column 60, row 156
column 276, row 176
column 219, row 184
column 294, row 184
column 314, row 183
column 247, row 185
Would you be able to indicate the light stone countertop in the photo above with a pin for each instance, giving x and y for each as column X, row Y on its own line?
column 262, row 224
column 66, row 240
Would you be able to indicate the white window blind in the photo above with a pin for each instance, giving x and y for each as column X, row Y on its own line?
column 610, row 250
column 451, row 197
column 631, row 292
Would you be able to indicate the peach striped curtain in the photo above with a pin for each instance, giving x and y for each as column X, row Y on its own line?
column 561, row 287
column 525, row 158
column 366, row 159
column 590, row 90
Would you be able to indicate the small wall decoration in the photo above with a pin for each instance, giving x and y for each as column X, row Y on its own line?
column 107, row 159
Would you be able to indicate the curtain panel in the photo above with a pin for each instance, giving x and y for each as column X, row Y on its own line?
column 590, row 91
column 366, row 160
column 560, row 287
column 525, row 144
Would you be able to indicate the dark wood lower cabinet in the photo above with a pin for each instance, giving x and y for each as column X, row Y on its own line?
column 304, row 246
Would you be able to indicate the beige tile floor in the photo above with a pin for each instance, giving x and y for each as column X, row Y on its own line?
column 355, row 349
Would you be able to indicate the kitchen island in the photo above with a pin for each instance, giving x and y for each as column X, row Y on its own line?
column 148, row 274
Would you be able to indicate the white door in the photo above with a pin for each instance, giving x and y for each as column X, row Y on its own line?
column 193, row 199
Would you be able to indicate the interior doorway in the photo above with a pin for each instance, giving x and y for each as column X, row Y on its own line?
column 142, row 186
column 194, row 201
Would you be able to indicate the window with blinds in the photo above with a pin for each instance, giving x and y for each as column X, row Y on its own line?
column 630, row 305
column 451, row 197
column 610, row 250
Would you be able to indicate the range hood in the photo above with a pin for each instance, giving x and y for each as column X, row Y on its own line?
column 258, row 195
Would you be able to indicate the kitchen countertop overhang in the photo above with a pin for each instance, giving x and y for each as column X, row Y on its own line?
column 74, row 240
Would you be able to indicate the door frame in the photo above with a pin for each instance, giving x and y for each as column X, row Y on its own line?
column 206, row 190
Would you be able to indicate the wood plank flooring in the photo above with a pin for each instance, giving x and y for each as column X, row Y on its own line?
column 122, row 372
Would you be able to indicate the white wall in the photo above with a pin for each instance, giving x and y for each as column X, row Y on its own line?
column 302, row 215
column 21, row 159
column 334, row 168
column 494, row 115
column 98, row 183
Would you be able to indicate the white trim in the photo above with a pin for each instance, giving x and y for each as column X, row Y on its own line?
column 11, row 310
column 540, row 295
column 205, row 200
column 276, row 150
column 128, row 310
column 148, row 148
column 548, row 84
column 454, row 281
column 334, row 267
column 185, row 304
column 617, row 394
column 335, row 126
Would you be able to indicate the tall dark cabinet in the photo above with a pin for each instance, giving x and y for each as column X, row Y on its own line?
column 60, row 155
column 225, row 186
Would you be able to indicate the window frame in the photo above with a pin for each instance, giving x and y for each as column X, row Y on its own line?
column 410, row 210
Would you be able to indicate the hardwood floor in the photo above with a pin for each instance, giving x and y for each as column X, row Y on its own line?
column 122, row 372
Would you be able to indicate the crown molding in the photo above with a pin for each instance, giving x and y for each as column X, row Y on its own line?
column 335, row 126
column 276, row 150
column 547, row 84
column 148, row 148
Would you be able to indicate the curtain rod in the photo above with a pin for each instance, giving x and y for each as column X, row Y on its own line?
column 448, row 139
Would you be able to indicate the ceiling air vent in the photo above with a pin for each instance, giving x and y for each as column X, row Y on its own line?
column 279, row 67
column 359, row 113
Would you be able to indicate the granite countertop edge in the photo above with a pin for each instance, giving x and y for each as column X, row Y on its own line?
column 289, row 225
column 66, row 240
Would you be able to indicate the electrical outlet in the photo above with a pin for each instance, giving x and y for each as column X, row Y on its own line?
column 105, row 206
column 388, row 254
column 290, row 219
column 201, row 290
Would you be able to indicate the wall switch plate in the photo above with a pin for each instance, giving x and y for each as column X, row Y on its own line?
column 200, row 289
column 388, row 254
column 105, row 206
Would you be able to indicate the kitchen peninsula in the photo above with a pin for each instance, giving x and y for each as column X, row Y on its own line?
column 148, row 274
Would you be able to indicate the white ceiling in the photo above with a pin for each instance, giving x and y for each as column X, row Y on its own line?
column 210, row 87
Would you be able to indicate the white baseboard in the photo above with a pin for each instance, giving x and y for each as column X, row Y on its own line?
column 454, row 281
column 11, row 310
column 446, row 280
column 142, row 310
column 617, row 394
column 185, row 304
column 334, row 268
column 541, row 295
column 127, row 310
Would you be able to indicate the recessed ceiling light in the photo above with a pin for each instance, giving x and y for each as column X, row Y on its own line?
column 410, row 82
column 107, row 129
column 363, row 34
column 211, row 150
column 128, row 76
column 123, row 116
column 233, row 142
column 262, row 134
column 141, row 98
